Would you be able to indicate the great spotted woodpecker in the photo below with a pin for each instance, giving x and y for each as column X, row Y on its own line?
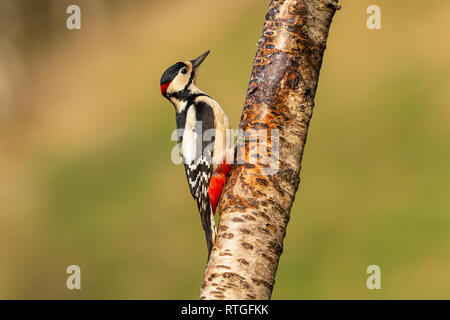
column 203, row 139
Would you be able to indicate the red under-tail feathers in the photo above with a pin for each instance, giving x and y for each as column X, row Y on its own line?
column 216, row 184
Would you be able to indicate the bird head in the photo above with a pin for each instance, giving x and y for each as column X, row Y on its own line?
column 180, row 77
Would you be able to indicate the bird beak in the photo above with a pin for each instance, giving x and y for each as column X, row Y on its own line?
column 198, row 61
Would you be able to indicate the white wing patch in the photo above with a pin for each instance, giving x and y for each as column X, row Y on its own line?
column 197, row 164
column 223, row 142
column 189, row 142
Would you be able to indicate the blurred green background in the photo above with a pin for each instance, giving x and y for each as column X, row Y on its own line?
column 85, row 170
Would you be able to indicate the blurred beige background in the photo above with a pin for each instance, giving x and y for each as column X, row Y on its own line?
column 85, row 170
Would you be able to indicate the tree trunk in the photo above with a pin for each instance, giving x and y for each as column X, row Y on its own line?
column 257, row 199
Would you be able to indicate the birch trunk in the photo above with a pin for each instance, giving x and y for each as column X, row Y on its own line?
column 257, row 199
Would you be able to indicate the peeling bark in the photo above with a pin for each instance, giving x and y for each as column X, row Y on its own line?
column 256, row 205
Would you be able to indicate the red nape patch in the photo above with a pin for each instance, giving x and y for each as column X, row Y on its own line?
column 164, row 87
column 216, row 184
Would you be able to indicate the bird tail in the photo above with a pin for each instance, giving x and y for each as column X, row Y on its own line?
column 209, row 226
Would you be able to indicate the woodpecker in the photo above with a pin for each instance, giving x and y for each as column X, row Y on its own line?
column 203, row 139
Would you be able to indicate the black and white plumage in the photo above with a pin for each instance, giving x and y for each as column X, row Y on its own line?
column 202, row 139
column 198, row 161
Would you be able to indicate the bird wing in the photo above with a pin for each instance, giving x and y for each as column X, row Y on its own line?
column 197, row 147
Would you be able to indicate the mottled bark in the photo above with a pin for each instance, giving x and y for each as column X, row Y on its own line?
column 256, row 203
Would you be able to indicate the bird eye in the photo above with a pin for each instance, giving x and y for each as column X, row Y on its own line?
column 184, row 70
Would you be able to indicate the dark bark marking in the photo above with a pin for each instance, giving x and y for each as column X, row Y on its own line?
column 243, row 261
column 247, row 245
column 228, row 235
